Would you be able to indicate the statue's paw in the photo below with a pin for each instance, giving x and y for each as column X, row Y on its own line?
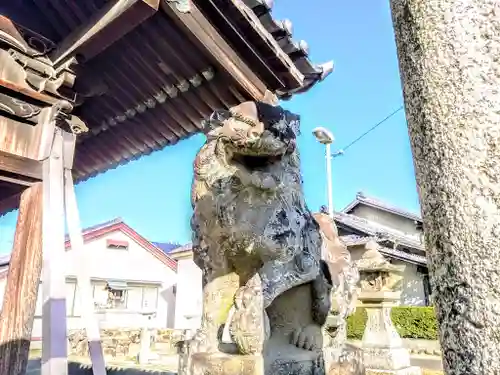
column 249, row 332
column 308, row 338
column 244, row 297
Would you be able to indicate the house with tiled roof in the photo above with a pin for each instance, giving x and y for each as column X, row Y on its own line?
column 132, row 279
column 399, row 235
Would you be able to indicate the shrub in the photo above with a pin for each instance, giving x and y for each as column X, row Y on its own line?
column 356, row 324
column 410, row 322
column 415, row 322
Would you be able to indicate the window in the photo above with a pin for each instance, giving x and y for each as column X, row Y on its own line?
column 117, row 293
column 116, row 244
column 149, row 298
column 70, row 297
column 134, row 298
column 142, row 298
column 77, row 302
column 100, row 295
column 120, row 295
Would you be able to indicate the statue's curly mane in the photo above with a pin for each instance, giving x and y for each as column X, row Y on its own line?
column 231, row 170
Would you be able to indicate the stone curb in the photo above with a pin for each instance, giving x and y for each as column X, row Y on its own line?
column 423, row 351
column 430, row 350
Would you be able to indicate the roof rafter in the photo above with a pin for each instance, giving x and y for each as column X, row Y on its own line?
column 104, row 28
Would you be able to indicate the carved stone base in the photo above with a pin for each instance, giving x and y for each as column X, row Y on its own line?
column 413, row 370
column 225, row 364
column 391, row 359
column 347, row 361
column 230, row 364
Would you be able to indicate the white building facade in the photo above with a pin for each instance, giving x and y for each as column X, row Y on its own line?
column 132, row 280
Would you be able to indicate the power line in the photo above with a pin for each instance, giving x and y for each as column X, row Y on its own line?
column 371, row 129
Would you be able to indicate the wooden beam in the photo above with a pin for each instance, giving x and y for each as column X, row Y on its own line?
column 20, row 165
column 16, row 320
column 16, row 180
column 199, row 29
column 104, row 28
column 16, row 88
column 54, row 339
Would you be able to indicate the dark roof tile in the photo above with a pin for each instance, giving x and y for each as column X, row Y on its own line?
column 377, row 203
column 380, row 232
column 166, row 247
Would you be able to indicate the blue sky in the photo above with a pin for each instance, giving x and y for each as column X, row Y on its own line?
column 152, row 194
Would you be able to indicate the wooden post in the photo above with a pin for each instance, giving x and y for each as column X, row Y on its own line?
column 77, row 245
column 54, row 333
column 16, row 320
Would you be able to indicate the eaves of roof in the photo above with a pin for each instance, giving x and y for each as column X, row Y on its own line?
column 381, row 205
column 251, row 29
column 402, row 255
column 152, row 86
column 358, row 240
column 369, row 229
column 100, row 230
column 4, row 260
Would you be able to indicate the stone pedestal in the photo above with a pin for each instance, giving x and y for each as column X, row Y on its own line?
column 232, row 364
column 383, row 351
column 280, row 357
column 225, row 364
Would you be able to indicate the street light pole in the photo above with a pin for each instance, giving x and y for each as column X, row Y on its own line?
column 328, row 156
column 325, row 137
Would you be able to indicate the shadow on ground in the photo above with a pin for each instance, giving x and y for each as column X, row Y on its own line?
column 75, row 368
column 11, row 351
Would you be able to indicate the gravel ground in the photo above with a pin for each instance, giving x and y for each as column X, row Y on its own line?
column 168, row 366
column 432, row 365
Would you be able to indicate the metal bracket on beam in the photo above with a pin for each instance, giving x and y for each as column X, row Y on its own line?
column 183, row 6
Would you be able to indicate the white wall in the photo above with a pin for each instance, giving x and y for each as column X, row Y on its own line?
column 413, row 293
column 387, row 219
column 135, row 265
column 188, row 305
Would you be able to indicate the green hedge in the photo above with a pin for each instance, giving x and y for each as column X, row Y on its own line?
column 410, row 322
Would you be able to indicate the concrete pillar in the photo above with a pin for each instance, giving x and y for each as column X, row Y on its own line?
column 145, row 350
column 449, row 53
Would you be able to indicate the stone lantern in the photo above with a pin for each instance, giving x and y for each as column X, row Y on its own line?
column 381, row 284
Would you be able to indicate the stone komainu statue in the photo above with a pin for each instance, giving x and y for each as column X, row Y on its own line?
column 344, row 275
column 265, row 286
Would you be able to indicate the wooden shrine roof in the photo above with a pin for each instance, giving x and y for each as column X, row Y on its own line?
column 146, row 78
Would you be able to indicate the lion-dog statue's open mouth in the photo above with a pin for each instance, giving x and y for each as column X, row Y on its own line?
column 256, row 136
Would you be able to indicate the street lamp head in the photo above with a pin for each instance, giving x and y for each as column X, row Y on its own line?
column 323, row 135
